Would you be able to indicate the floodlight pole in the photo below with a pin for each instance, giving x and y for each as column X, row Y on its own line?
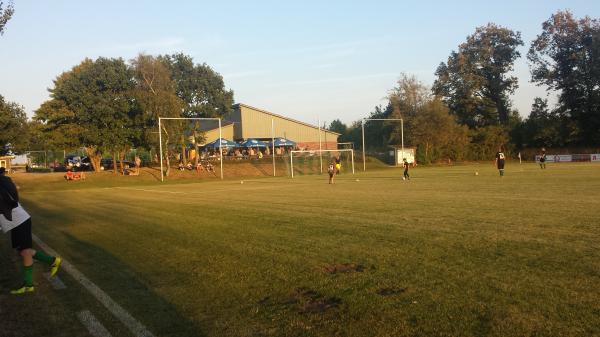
column 380, row 119
column 273, row 143
column 220, row 148
column 162, row 178
column 362, row 125
column 292, row 163
column 402, row 135
column 320, row 149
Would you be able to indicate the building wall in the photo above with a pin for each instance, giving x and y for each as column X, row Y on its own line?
column 255, row 123
column 235, row 117
column 227, row 132
column 315, row 145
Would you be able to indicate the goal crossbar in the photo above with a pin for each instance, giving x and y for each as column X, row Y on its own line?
column 320, row 152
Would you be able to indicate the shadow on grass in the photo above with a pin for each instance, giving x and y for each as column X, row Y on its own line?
column 121, row 283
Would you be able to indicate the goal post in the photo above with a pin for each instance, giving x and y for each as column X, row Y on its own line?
column 299, row 153
column 363, row 135
column 160, row 119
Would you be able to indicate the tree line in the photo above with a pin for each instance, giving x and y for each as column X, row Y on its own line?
column 110, row 105
column 467, row 113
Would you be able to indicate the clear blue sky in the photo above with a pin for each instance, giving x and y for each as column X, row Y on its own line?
column 306, row 59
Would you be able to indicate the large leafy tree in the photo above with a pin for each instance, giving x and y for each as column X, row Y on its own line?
column 436, row 134
column 409, row 95
column 406, row 100
column 475, row 81
column 566, row 58
column 6, row 14
column 544, row 127
column 155, row 97
column 91, row 105
column 13, row 123
column 201, row 89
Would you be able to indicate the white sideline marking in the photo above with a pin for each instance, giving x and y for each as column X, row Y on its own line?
column 137, row 328
column 145, row 190
column 92, row 324
column 55, row 281
column 203, row 192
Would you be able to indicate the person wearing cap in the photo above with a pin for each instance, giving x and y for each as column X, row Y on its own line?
column 15, row 219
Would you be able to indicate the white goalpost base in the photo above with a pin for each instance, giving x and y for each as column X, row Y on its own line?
column 319, row 153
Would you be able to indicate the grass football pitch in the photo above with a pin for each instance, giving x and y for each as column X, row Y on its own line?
column 448, row 253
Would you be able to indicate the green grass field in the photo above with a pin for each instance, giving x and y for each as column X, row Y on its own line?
column 446, row 254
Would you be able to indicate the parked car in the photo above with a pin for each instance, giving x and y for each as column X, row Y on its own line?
column 78, row 163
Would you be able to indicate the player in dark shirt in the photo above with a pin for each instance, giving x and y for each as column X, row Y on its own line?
column 543, row 159
column 405, row 165
column 21, row 235
column 500, row 158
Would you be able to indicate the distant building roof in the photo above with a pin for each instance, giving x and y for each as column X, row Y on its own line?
column 283, row 117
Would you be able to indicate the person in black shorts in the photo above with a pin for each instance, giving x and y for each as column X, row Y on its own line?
column 338, row 164
column 543, row 159
column 405, row 165
column 500, row 158
column 14, row 218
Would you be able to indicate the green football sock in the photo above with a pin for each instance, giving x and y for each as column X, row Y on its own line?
column 40, row 256
column 28, row 275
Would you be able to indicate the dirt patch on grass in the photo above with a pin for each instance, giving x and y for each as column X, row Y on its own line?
column 309, row 301
column 343, row 268
column 389, row 291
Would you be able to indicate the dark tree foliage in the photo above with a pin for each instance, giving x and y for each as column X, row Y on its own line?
column 5, row 15
column 475, row 81
column 13, row 123
column 338, row 126
column 92, row 103
column 199, row 87
column 545, row 127
column 566, row 58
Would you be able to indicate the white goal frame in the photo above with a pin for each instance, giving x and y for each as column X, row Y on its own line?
column 363, row 135
column 320, row 152
column 160, row 119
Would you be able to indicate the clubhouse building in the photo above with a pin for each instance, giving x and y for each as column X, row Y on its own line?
column 247, row 122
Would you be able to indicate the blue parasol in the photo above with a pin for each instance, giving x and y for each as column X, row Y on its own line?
column 283, row 142
column 225, row 143
column 253, row 143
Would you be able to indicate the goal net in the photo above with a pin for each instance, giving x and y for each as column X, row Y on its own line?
column 307, row 162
